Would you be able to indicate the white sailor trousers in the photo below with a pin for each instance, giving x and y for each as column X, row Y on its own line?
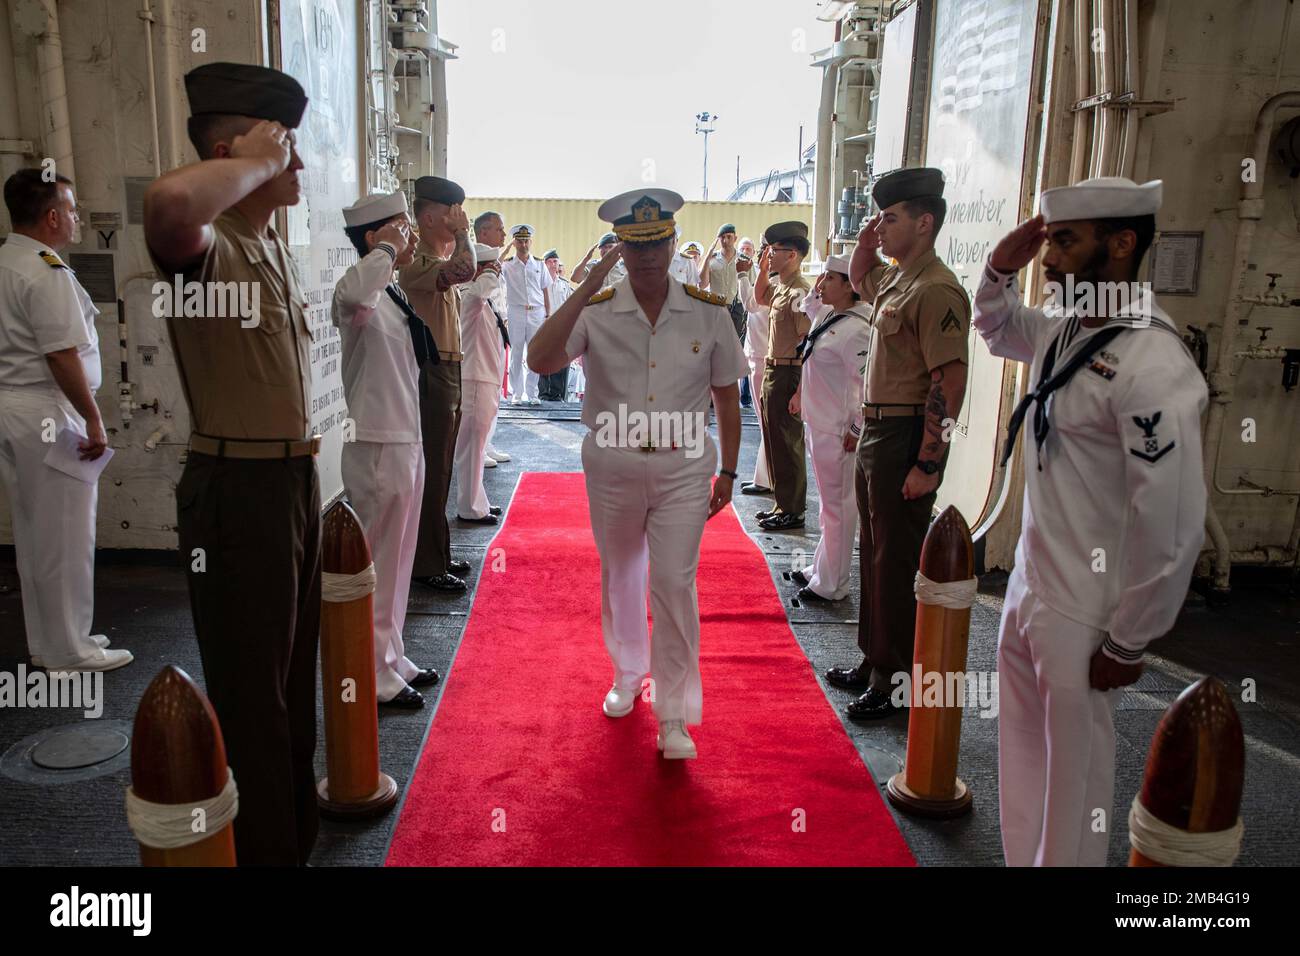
column 54, row 526
column 385, row 484
column 1056, row 737
column 523, row 325
column 647, row 513
column 832, row 566
column 478, row 412
column 761, row 477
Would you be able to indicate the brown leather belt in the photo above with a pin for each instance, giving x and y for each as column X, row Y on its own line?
column 255, row 447
column 450, row 356
column 879, row 411
column 673, row 447
column 771, row 362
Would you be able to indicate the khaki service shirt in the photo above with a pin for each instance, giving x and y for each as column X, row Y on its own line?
column 244, row 380
column 438, row 306
column 787, row 321
column 921, row 321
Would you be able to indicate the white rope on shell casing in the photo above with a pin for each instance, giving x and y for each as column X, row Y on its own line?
column 341, row 588
column 957, row 595
column 168, row 826
column 1158, row 841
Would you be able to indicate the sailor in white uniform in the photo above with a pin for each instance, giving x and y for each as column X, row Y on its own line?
column 1114, row 508
column 49, row 371
column 757, row 317
column 383, row 463
column 651, row 344
column 527, row 293
column 483, row 340
column 685, row 265
column 830, row 398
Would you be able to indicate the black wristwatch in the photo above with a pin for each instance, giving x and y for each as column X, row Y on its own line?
column 730, row 474
column 928, row 467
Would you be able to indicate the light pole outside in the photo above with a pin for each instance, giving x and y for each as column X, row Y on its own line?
column 704, row 124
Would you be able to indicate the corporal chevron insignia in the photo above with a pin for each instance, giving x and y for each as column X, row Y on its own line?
column 951, row 325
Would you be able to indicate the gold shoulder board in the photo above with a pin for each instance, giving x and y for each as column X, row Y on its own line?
column 697, row 293
column 602, row 296
column 51, row 260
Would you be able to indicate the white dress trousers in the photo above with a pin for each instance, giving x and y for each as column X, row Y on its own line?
column 54, row 526
column 1056, row 737
column 647, row 513
column 832, row 565
column 385, row 482
column 479, row 402
column 755, row 350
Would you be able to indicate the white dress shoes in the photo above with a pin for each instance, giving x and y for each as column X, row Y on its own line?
column 100, row 640
column 674, row 741
column 619, row 702
column 489, row 461
column 498, row 456
column 104, row 659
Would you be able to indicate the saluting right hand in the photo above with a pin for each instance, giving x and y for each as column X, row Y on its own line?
column 599, row 269
column 1019, row 247
column 455, row 220
column 394, row 233
column 869, row 236
column 267, row 140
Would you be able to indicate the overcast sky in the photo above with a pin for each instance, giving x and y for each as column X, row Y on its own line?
column 576, row 98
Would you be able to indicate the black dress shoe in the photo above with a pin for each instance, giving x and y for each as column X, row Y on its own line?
column 808, row 594
column 458, row 567
column 426, row 678
column 408, row 698
column 782, row 522
column 486, row 519
column 849, row 678
column 798, row 577
column 764, row 515
column 872, row 705
column 749, row 488
column 442, row 582
column 494, row 510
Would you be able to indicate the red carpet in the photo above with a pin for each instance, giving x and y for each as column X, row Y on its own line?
column 521, row 767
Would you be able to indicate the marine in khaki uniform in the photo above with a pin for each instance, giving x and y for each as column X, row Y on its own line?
column 444, row 258
column 248, row 503
column 787, row 244
column 915, row 381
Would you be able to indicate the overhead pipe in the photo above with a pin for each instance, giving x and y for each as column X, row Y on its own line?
column 1082, row 90
column 40, row 19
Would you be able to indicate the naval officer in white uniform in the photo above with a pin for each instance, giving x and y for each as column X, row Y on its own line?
column 830, row 397
column 383, row 464
column 483, row 339
column 1114, row 508
column 650, row 344
column 757, row 317
column 528, row 284
column 49, row 371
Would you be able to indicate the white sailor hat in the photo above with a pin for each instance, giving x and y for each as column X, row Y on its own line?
column 838, row 264
column 692, row 245
column 642, row 215
column 522, row 231
column 484, row 252
column 1106, row 197
column 376, row 207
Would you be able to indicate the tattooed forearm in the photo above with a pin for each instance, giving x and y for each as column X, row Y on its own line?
column 460, row 265
column 948, row 387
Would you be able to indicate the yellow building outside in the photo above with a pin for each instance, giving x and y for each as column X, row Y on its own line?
column 571, row 226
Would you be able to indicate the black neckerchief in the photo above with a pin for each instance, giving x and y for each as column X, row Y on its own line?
column 1049, row 383
column 803, row 351
column 501, row 326
column 426, row 349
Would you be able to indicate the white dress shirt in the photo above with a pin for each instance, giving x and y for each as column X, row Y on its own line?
column 43, row 309
column 480, row 339
column 832, row 381
column 525, row 282
column 380, row 377
column 1118, row 484
column 683, row 269
column 665, row 368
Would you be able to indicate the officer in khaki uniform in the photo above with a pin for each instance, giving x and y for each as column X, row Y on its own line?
column 248, row 503
column 915, row 381
column 444, row 258
column 787, row 244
